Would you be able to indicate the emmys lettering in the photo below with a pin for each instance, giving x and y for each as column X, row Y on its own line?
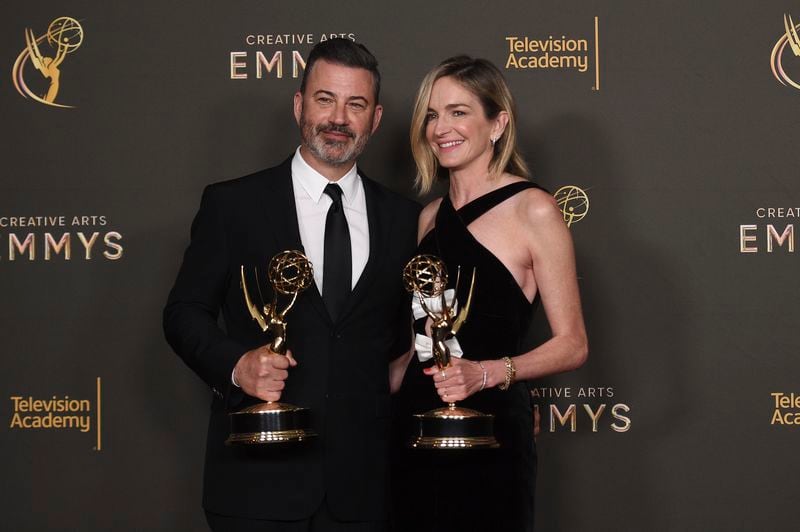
column 52, row 244
column 276, row 63
column 53, row 413
column 786, row 409
column 557, row 416
column 46, row 53
column 755, row 238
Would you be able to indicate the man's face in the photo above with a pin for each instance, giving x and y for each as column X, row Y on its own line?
column 336, row 114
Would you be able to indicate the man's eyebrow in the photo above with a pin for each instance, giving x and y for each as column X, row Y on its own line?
column 330, row 94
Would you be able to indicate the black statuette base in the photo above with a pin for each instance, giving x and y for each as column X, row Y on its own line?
column 270, row 423
column 454, row 428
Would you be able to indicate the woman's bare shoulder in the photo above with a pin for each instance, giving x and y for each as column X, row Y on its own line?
column 537, row 206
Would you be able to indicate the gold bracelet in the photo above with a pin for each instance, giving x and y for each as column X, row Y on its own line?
column 511, row 372
column 485, row 376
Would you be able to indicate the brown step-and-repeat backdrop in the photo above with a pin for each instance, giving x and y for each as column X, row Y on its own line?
column 669, row 133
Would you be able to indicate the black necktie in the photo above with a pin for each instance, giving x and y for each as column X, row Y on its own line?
column 337, row 271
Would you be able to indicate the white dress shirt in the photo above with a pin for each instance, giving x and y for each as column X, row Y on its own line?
column 312, row 212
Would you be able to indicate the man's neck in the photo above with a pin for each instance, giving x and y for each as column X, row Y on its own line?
column 328, row 171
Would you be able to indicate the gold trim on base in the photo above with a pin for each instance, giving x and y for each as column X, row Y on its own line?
column 452, row 411
column 268, row 408
column 276, row 436
column 478, row 442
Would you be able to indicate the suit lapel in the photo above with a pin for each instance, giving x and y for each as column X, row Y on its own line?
column 279, row 208
column 280, row 212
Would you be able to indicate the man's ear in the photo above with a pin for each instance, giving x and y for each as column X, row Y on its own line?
column 298, row 106
column 376, row 118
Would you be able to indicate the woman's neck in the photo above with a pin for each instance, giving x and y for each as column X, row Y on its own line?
column 466, row 185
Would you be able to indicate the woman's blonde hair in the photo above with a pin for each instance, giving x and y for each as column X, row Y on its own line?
column 485, row 81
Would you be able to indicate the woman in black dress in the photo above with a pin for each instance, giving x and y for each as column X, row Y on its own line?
column 512, row 233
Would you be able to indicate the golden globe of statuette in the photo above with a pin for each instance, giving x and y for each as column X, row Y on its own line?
column 426, row 275
column 65, row 33
column 290, row 272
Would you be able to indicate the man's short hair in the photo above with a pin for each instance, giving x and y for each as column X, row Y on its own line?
column 341, row 51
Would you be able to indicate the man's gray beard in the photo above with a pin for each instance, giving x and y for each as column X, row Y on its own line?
column 319, row 147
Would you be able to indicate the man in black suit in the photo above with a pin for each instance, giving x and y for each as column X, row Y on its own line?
column 343, row 331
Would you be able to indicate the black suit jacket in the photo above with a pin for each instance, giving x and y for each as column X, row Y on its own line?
column 342, row 372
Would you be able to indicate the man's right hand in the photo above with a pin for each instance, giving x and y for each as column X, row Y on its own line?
column 262, row 373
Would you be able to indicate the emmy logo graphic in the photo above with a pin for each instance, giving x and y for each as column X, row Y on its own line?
column 63, row 36
column 573, row 202
column 791, row 38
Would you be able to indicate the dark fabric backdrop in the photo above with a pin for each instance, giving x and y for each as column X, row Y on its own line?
column 676, row 129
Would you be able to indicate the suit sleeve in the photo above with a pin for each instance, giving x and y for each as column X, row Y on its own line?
column 407, row 238
column 190, row 316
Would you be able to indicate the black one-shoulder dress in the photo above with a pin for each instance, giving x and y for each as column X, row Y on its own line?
column 470, row 489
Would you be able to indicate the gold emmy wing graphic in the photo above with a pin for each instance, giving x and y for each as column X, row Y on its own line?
column 573, row 202
column 451, row 427
column 791, row 38
column 64, row 35
column 290, row 272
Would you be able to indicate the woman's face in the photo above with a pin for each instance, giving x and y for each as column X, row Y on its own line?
column 457, row 128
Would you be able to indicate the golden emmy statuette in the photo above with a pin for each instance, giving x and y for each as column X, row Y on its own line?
column 450, row 427
column 290, row 272
column 64, row 35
